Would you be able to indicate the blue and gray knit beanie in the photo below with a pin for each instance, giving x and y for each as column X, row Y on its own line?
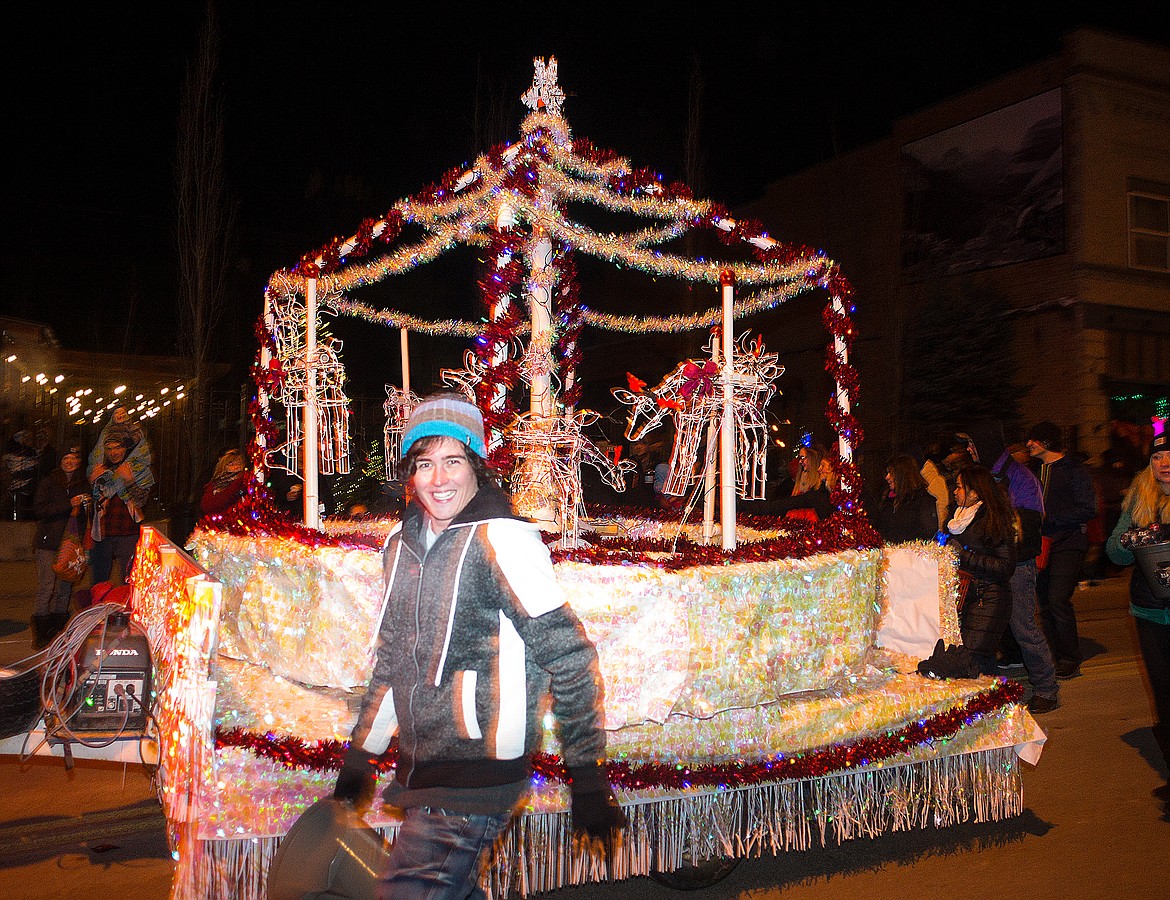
column 446, row 415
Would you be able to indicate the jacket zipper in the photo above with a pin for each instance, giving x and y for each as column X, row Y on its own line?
column 417, row 629
column 414, row 657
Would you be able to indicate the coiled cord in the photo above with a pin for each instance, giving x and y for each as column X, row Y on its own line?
column 60, row 679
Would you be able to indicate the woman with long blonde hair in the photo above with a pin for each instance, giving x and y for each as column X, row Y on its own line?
column 1145, row 520
column 809, row 472
column 812, row 496
column 228, row 483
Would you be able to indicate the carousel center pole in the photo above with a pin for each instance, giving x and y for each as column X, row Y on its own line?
column 309, row 426
column 727, row 431
column 540, row 402
column 539, row 501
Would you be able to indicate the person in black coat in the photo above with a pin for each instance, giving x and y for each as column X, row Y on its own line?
column 982, row 533
column 907, row 511
column 59, row 493
column 1070, row 504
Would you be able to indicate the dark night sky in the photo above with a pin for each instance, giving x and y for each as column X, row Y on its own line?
column 334, row 111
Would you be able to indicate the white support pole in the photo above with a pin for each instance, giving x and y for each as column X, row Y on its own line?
column 309, row 424
column 842, row 352
column 570, row 379
column 727, row 431
column 404, row 342
column 711, row 460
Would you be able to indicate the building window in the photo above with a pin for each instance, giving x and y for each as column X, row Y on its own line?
column 1149, row 231
column 1138, row 356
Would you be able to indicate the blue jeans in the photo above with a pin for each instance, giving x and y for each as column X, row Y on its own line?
column 53, row 593
column 1034, row 649
column 440, row 855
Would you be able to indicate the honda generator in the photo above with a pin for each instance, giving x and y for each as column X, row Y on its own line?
column 114, row 672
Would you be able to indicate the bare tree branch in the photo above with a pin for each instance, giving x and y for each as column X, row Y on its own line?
column 205, row 224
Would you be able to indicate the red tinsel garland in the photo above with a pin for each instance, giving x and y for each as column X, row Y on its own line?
column 258, row 515
column 323, row 756
column 569, row 322
column 500, row 288
column 846, row 529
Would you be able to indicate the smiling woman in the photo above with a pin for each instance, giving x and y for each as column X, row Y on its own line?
column 1143, row 533
column 471, row 611
column 442, row 479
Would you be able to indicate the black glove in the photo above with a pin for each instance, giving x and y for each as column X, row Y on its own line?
column 949, row 662
column 597, row 814
column 358, row 779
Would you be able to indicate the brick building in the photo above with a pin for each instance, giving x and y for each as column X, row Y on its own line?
column 1049, row 187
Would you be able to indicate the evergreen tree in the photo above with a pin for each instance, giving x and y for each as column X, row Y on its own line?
column 960, row 365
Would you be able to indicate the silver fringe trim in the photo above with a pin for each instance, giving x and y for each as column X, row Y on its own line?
column 221, row 870
column 539, row 852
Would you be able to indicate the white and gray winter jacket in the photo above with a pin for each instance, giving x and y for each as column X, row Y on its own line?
column 475, row 634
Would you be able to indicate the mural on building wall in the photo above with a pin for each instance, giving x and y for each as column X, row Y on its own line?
column 985, row 193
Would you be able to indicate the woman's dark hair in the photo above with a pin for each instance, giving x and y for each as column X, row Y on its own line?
column 483, row 474
column 908, row 480
column 933, row 451
column 1001, row 515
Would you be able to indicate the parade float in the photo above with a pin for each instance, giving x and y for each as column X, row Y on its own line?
column 760, row 687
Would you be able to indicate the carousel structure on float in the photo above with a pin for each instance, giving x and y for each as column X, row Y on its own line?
column 779, row 708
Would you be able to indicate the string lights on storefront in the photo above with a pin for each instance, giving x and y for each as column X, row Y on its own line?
column 85, row 402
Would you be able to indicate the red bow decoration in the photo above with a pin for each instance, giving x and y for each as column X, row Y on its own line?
column 699, row 380
column 273, row 377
